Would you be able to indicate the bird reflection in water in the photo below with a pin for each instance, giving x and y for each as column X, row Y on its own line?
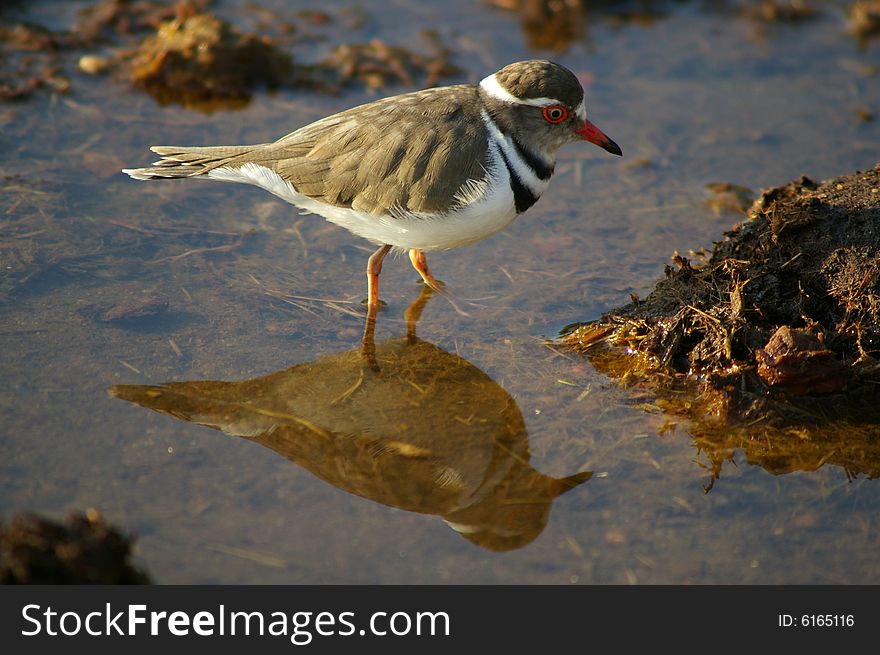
column 402, row 423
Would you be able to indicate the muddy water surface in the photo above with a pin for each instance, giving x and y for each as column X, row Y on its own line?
column 107, row 281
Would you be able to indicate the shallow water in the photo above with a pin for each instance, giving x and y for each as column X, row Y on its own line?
column 253, row 288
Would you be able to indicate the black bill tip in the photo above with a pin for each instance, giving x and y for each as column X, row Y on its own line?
column 612, row 147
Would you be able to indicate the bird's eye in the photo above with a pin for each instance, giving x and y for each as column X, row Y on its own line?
column 555, row 114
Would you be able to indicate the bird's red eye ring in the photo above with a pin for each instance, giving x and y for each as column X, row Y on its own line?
column 555, row 114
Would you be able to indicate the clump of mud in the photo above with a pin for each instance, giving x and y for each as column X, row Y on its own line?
column 34, row 57
column 781, row 326
column 82, row 550
column 180, row 52
column 199, row 57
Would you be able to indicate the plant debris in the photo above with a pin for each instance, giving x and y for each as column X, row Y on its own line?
column 774, row 11
column 377, row 65
column 780, row 327
column 198, row 57
column 193, row 57
column 864, row 19
column 107, row 19
column 33, row 57
column 29, row 60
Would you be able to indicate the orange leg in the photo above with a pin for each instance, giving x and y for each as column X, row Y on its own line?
column 420, row 263
column 374, row 267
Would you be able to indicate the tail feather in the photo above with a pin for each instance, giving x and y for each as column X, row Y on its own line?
column 188, row 161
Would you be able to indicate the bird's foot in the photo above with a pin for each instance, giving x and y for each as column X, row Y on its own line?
column 434, row 284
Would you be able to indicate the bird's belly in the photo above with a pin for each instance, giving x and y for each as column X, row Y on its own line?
column 427, row 231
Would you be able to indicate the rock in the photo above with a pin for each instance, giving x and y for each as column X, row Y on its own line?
column 796, row 361
column 93, row 64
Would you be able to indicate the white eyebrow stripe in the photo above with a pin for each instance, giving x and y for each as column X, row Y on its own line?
column 581, row 111
column 494, row 90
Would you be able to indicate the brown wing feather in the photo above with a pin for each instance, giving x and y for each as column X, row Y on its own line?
column 432, row 142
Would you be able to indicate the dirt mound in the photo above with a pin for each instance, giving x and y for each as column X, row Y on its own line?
column 781, row 326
